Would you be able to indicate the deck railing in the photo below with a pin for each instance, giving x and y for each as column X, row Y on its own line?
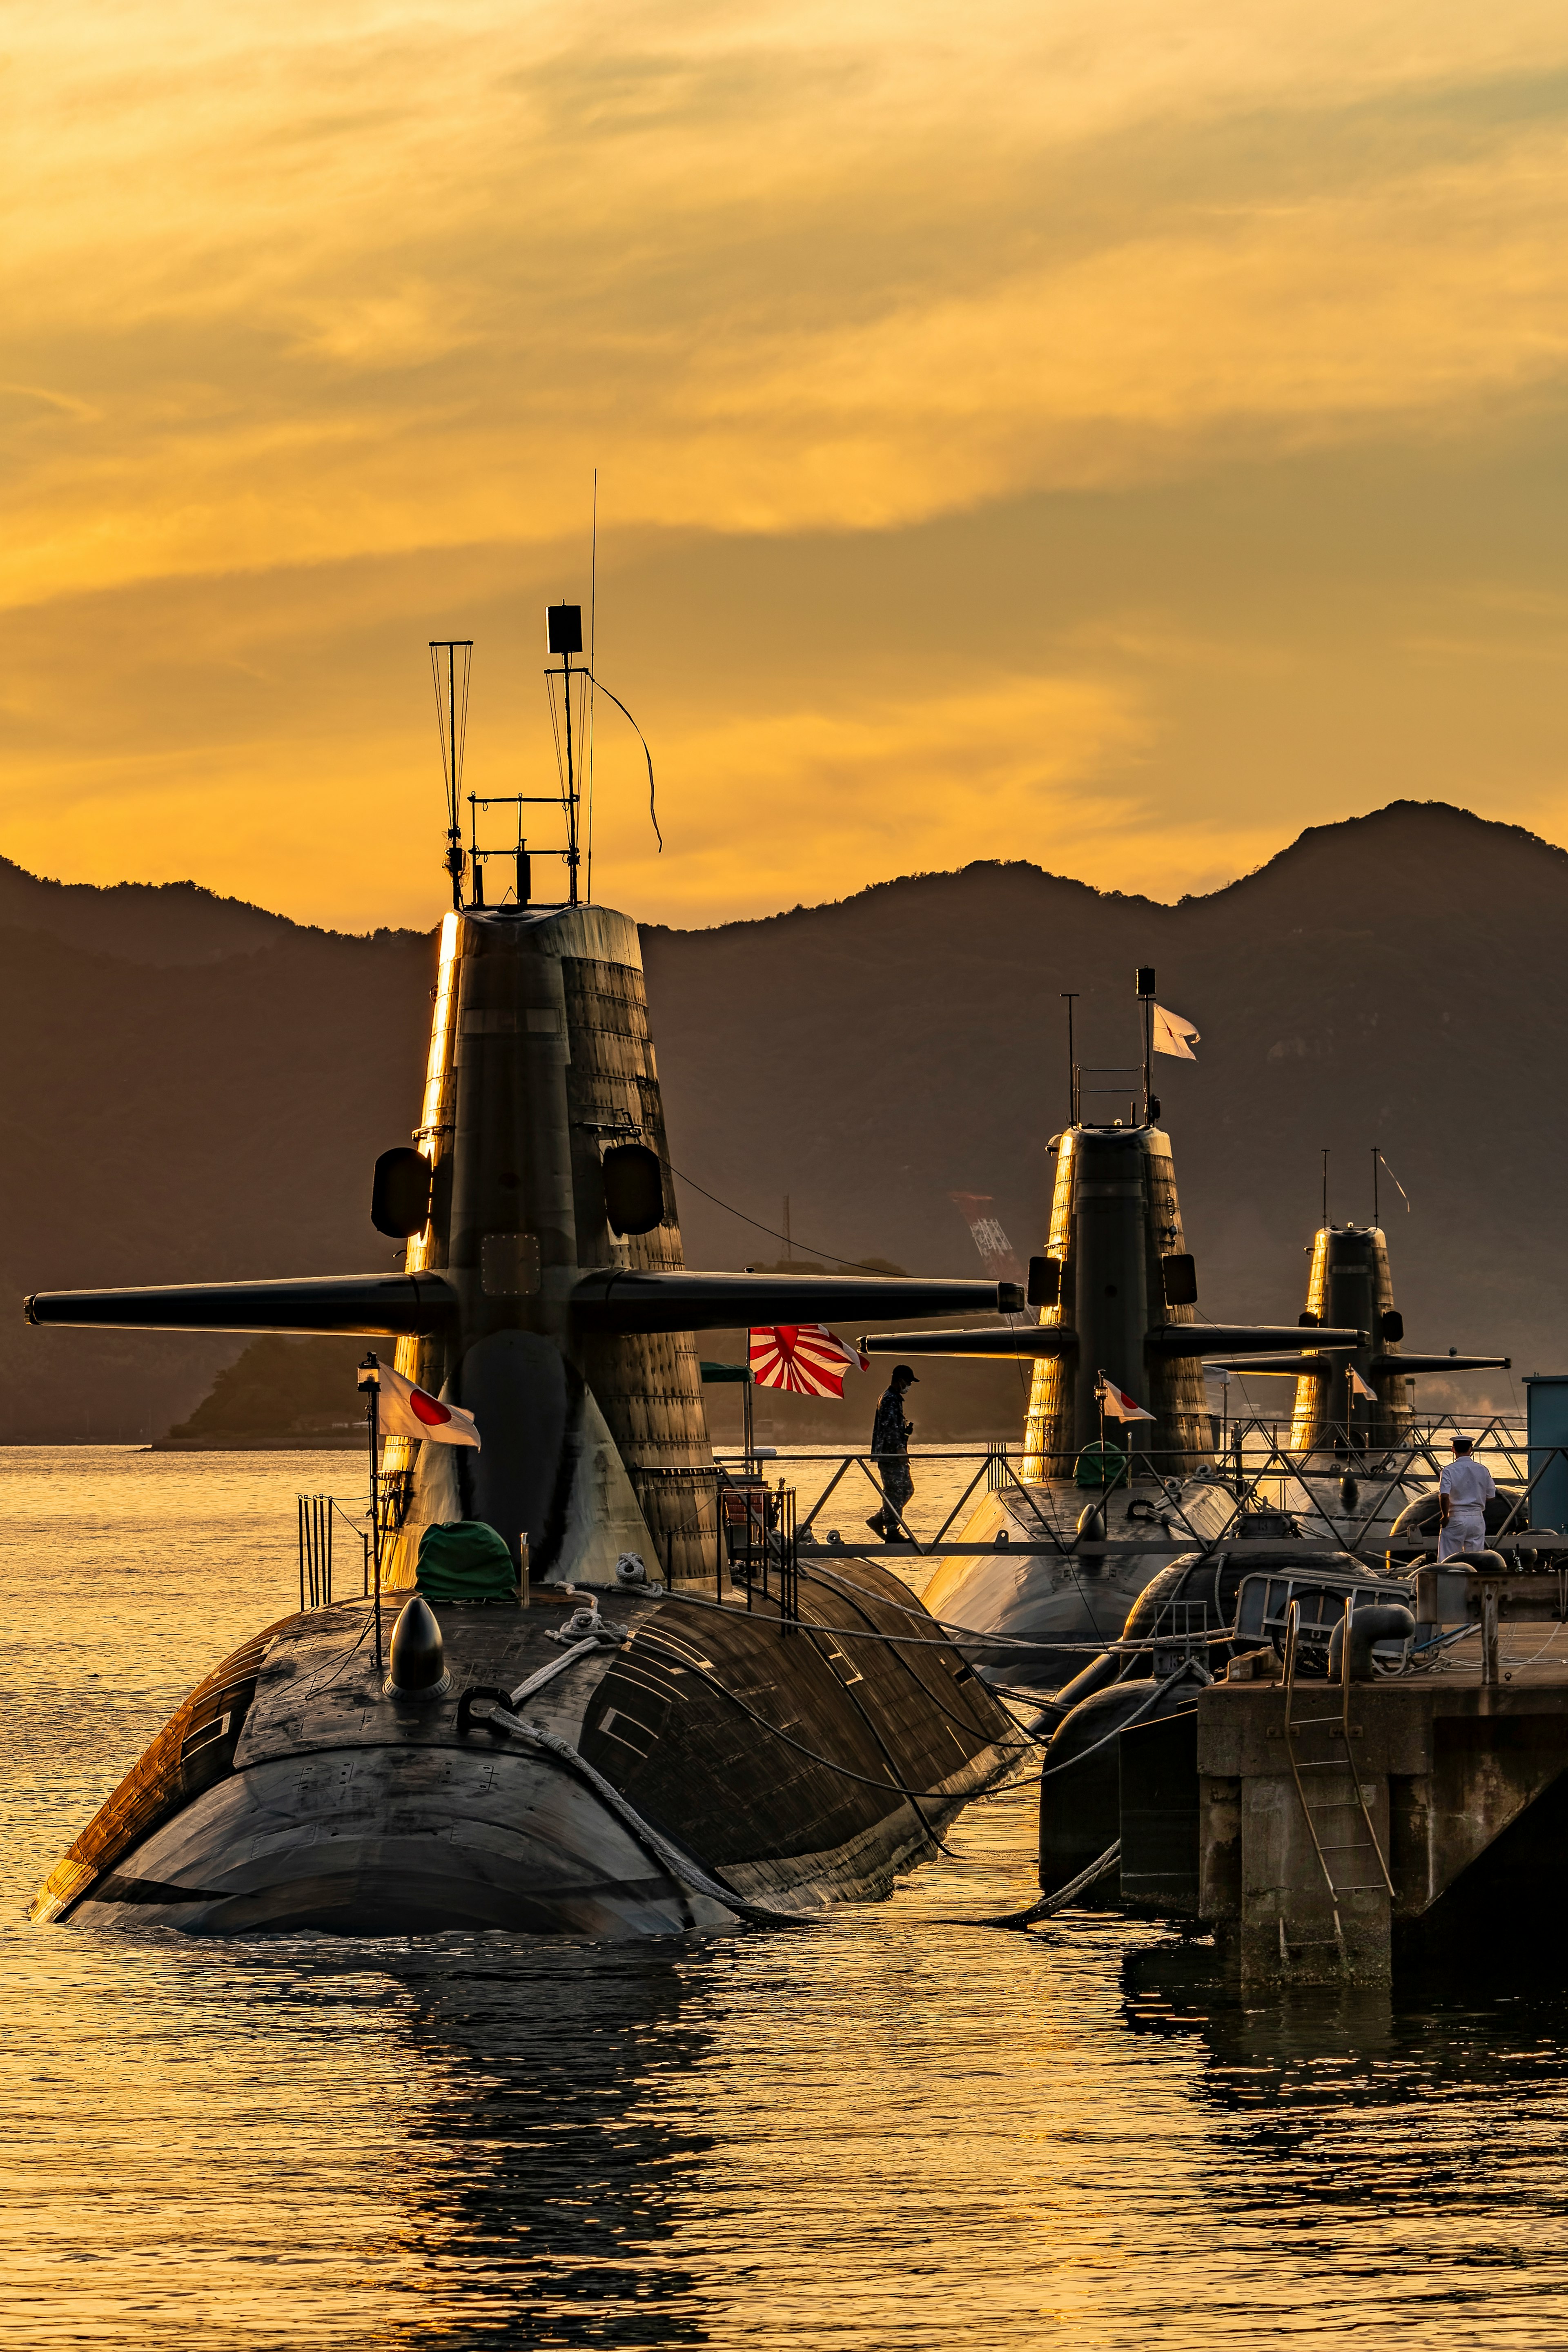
column 319, row 1516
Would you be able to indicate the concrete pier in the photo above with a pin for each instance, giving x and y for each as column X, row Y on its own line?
column 1333, row 1826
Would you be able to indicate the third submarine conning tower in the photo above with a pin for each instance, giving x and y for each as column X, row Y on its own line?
column 1351, row 1284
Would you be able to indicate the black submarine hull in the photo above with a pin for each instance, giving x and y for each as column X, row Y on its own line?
column 692, row 1766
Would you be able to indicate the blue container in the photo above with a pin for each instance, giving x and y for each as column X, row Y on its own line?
column 1547, row 1411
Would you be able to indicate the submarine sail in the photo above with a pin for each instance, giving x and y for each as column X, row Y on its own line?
column 1117, row 1293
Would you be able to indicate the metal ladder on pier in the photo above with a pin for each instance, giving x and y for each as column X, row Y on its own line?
column 1343, row 1859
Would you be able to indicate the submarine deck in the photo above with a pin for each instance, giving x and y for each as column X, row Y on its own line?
column 806, row 1761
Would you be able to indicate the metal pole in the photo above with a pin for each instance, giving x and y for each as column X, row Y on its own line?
column 590, row 727
column 370, row 1381
column 571, row 797
column 1069, row 996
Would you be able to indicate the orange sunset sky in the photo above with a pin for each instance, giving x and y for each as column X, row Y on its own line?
column 1104, row 432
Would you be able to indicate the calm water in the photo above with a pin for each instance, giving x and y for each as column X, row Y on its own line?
column 894, row 2132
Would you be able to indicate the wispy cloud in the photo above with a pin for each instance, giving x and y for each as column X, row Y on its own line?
column 330, row 314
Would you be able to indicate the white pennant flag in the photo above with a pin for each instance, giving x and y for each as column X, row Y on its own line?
column 1358, row 1387
column 408, row 1412
column 1173, row 1036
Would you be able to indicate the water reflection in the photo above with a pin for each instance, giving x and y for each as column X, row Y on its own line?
column 898, row 2133
column 545, row 2179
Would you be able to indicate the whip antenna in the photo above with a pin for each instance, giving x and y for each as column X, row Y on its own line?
column 451, row 658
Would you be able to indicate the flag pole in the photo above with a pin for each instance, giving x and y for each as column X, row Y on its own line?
column 370, row 1381
column 1146, row 999
column 1069, row 997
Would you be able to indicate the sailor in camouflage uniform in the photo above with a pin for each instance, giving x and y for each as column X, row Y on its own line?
column 890, row 1435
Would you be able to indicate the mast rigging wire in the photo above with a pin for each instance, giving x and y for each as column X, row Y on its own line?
column 642, row 738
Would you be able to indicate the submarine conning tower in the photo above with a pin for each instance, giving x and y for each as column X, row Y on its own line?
column 1117, row 1260
column 1351, row 1285
column 541, row 1110
column 1117, row 1291
column 542, row 1285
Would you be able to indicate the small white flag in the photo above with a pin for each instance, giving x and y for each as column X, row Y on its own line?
column 1116, row 1402
column 1173, row 1036
column 408, row 1412
column 1360, row 1388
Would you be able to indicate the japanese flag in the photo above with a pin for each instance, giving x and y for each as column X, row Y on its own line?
column 408, row 1412
column 1172, row 1035
column 1117, row 1404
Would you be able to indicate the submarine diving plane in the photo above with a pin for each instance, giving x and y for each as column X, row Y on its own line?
column 591, row 1730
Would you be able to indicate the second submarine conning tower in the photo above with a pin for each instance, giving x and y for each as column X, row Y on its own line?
column 1117, row 1260
column 1117, row 1293
column 1117, row 1290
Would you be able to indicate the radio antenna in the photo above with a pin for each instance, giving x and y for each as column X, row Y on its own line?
column 593, row 644
column 563, row 636
column 451, row 660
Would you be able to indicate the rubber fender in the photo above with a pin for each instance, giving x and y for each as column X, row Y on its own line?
column 1080, row 1809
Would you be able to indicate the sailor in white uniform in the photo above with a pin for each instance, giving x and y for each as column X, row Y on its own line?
column 1465, row 1487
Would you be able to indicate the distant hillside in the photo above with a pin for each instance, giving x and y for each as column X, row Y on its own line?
column 297, row 1393
column 1391, row 980
column 144, row 922
column 183, row 1122
column 206, row 1099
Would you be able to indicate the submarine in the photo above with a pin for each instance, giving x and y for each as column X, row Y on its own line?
column 1352, row 1420
column 586, row 1719
column 1117, row 1297
column 1314, row 1556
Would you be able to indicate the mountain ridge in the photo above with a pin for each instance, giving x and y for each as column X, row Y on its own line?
column 210, row 1105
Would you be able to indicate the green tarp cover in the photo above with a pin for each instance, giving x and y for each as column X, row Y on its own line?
column 1101, row 1465
column 467, row 1561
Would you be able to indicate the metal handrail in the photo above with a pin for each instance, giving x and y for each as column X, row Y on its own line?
column 317, row 1516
